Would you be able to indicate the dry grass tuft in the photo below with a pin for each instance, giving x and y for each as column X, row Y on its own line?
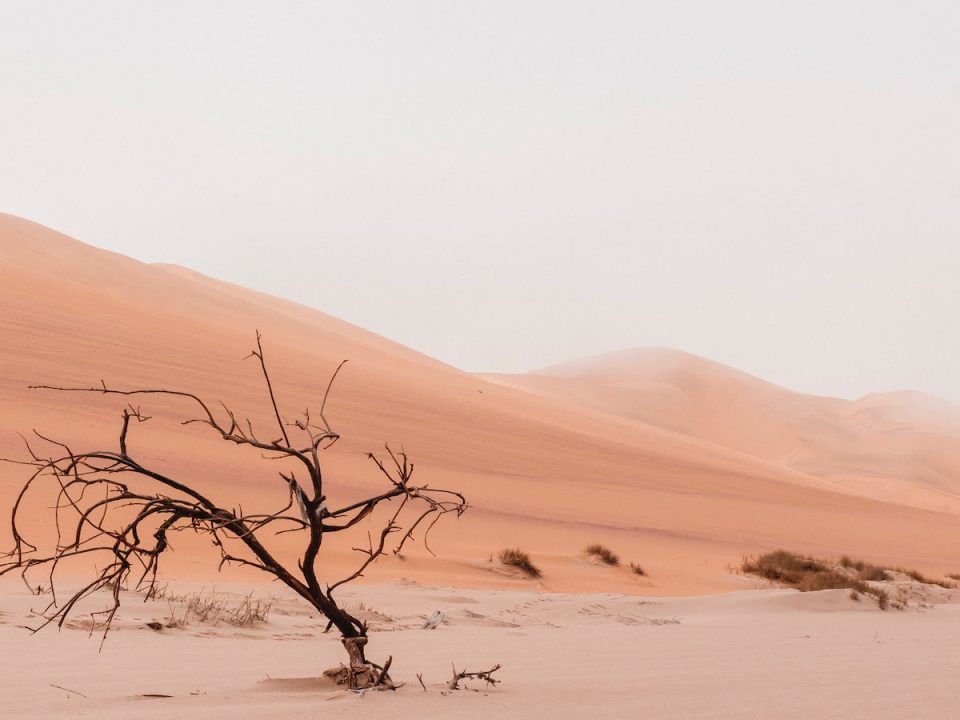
column 865, row 571
column 637, row 569
column 603, row 554
column 519, row 559
column 214, row 610
column 808, row 574
column 921, row 578
column 782, row 566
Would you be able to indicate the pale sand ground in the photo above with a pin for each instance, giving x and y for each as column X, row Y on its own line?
column 749, row 654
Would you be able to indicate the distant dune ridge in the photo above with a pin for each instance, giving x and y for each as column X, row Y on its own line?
column 675, row 462
column 901, row 446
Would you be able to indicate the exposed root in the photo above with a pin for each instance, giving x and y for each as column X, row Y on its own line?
column 361, row 674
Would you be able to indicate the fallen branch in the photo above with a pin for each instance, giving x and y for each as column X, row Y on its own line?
column 486, row 675
column 383, row 673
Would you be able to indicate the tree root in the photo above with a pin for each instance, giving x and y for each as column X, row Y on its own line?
column 361, row 674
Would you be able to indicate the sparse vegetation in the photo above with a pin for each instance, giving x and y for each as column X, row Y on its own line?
column 603, row 554
column 519, row 559
column 921, row 578
column 865, row 571
column 214, row 610
column 637, row 570
column 808, row 574
column 868, row 572
column 954, row 576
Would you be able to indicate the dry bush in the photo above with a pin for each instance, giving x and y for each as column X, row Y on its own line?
column 637, row 569
column 848, row 562
column 156, row 591
column 782, row 566
column 214, row 610
column 872, row 573
column 921, row 578
column 603, row 554
column 865, row 571
column 883, row 600
column 519, row 559
column 954, row 576
column 808, row 574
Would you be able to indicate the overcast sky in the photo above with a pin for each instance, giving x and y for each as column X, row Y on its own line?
column 774, row 185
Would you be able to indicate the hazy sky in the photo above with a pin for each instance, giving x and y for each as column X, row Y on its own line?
column 775, row 185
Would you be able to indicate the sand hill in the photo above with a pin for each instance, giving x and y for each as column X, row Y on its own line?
column 677, row 463
column 903, row 447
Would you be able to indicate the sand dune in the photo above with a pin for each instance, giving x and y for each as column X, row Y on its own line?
column 549, row 471
column 903, row 447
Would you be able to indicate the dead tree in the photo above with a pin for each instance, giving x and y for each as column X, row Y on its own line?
column 113, row 509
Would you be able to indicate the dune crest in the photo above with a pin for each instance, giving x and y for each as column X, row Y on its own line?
column 902, row 447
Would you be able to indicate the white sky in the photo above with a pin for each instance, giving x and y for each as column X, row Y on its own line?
column 775, row 185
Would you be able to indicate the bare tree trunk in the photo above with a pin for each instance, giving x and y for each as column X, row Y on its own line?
column 362, row 674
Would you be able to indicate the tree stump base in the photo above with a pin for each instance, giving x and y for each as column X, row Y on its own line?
column 359, row 674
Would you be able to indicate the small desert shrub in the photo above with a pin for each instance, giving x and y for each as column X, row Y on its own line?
column 782, row 566
column 868, row 572
column 519, row 559
column 872, row 573
column 808, row 574
column 865, row 571
column 603, row 554
column 954, row 576
column 156, row 592
column 637, row 569
column 213, row 609
column 921, row 578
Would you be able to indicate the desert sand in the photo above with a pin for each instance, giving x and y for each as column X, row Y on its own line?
column 675, row 462
column 754, row 653
column 898, row 446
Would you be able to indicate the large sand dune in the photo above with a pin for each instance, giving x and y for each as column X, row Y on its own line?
column 903, row 447
column 683, row 474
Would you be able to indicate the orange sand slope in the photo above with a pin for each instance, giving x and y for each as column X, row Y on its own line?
column 902, row 447
column 548, row 470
